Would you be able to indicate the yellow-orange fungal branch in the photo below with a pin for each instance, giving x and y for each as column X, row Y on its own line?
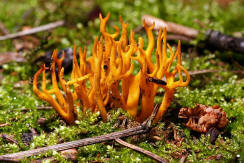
column 108, row 74
column 64, row 106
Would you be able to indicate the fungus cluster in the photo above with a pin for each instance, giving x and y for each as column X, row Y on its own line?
column 109, row 74
column 202, row 117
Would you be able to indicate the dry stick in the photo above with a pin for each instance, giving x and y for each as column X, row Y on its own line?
column 4, row 124
column 197, row 72
column 205, row 71
column 171, row 27
column 179, row 37
column 143, row 128
column 9, row 138
column 202, row 72
column 44, row 107
column 141, row 150
column 34, row 30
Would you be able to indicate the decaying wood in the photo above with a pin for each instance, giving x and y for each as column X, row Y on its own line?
column 141, row 150
column 171, row 27
column 221, row 41
column 143, row 128
column 34, row 30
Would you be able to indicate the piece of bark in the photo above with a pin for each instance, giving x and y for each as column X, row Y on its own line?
column 221, row 41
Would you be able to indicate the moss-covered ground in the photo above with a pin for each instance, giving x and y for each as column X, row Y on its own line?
column 20, row 111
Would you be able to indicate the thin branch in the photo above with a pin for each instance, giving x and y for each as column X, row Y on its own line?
column 4, row 124
column 179, row 37
column 44, row 107
column 9, row 138
column 171, row 27
column 141, row 150
column 34, row 30
column 143, row 128
column 197, row 72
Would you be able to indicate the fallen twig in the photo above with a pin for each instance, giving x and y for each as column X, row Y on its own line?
column 143, row 128
column 4, row 124
column 141, row 150
column 44, row 107
column 179, row 37
column 171, row 27
column 199, row 72
column 9, row 138
column 34, row 30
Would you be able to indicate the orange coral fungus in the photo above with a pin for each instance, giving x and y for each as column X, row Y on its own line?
column 109, row 72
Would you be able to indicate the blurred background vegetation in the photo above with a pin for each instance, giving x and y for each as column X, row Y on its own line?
column 81, row 16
